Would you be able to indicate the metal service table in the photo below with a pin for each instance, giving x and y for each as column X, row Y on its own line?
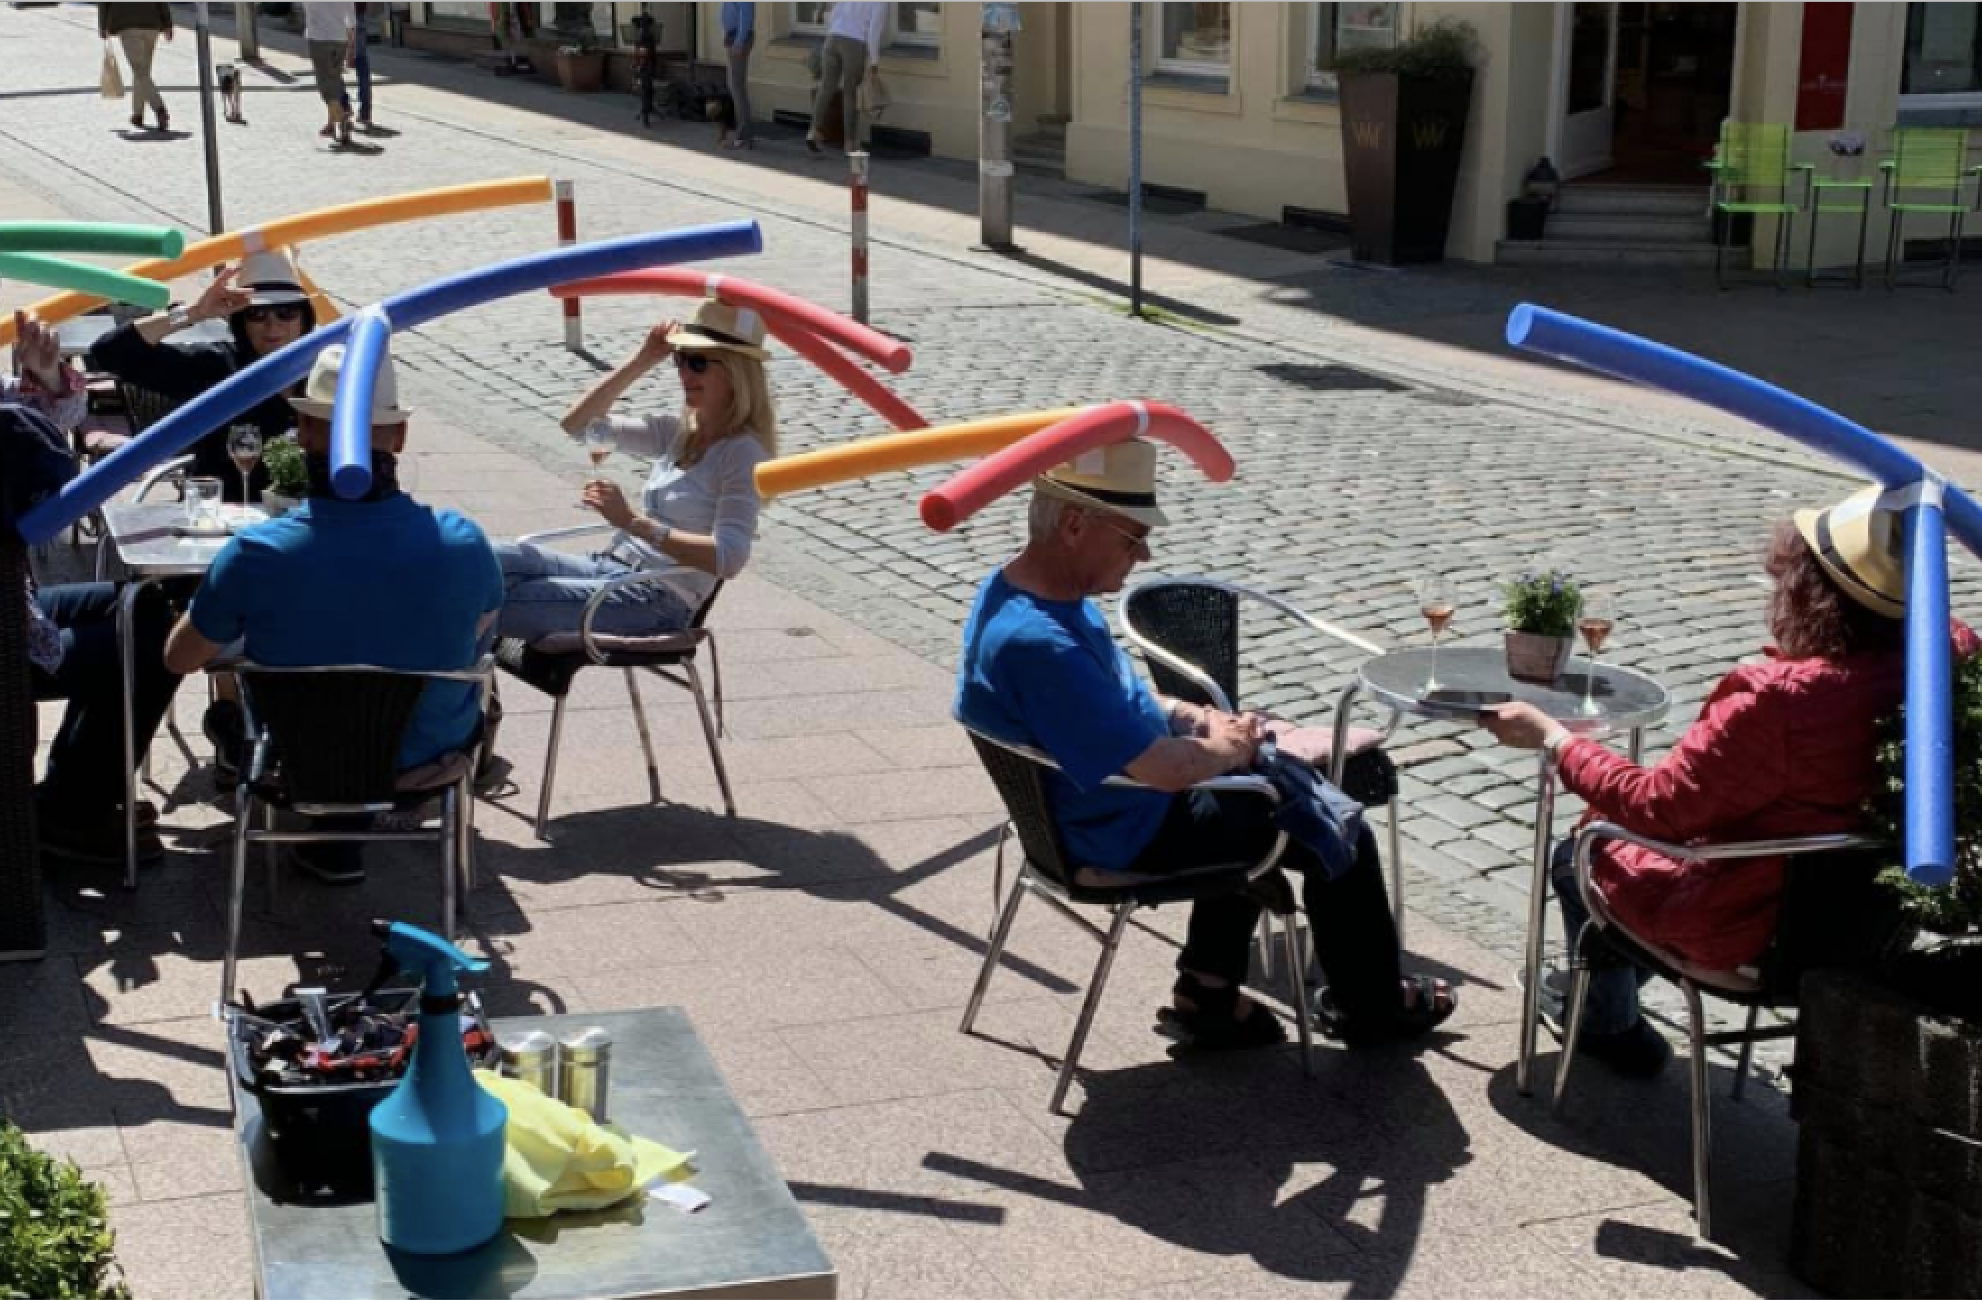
column 751, row 1240
column 1624, row 701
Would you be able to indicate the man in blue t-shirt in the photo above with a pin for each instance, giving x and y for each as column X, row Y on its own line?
column 1039, row 668
column 383, row 580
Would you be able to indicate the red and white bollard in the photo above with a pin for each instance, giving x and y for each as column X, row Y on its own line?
column 567, row 235
column 857, row 181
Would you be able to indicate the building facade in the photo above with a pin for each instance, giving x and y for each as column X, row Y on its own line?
column 1240, row 100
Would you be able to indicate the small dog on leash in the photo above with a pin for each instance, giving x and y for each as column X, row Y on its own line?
column 230, row 93
column 720, row 109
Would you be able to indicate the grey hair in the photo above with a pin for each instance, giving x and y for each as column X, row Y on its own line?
column 1043, row 519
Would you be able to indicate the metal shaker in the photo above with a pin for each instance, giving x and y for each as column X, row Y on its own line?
column 584, row 1071
column 531, row 1057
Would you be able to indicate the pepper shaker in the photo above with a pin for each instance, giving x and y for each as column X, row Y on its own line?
column 584, row 1072
column 531, row 1057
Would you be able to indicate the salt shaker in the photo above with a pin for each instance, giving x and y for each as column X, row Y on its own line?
column 584, row 1071
column 531, row 1057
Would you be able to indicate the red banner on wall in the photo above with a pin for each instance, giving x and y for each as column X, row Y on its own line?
column 1825, row 71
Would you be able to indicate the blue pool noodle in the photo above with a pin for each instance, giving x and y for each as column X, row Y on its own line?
column 1929, row 684
column 279, row 370
column 351, row 414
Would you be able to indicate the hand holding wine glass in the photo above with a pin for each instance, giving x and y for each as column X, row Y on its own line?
column 1435, row 603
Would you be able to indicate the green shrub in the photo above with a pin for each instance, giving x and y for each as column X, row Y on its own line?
column 1955, row 908
column 55, row 1238
column 286, row 471
column 1442, row 50
column 1544, row 603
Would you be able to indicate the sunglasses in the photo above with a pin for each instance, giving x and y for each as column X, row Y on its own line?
column 1136, row 541
column 694, row 363
column 284, row 312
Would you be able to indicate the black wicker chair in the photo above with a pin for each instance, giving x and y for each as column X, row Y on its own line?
column 1188, row 632
column 324, row 742
column 23, row 923
column 1830, row 914
column 1018, row 772
column 551, row 666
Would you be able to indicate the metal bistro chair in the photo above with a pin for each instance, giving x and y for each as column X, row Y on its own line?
column 1825, row 910
column 1930, row 163
column 1188, row 632
column 552, row 664
column 1019, row 773
column 324, row 742
column 1754, row 177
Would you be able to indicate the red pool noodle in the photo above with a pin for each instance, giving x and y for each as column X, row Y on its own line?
column 898, row 413
column 892, row 355
column 971, row 490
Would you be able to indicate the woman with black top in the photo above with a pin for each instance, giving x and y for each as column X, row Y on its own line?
column 266, row 308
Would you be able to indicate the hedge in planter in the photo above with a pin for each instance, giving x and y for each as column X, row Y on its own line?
column 1404, row 113
column 55, row 1238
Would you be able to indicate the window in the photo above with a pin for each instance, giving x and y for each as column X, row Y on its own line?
column 918, row 24
column 1194, row 40
column 1335, row 28
column 810, row 19
column 1943, row 60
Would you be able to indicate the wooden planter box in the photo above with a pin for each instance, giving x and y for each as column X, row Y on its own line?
column 1402, row 138
column 1889, row 1159
column 583, row 74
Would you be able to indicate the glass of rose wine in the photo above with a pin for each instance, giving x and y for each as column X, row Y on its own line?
column 244, row 448
column 1595, row 622
column 599, row 441
column 1435, row 603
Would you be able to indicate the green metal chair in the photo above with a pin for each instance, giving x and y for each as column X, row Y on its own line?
column 1930, row 163
column 1754, row 177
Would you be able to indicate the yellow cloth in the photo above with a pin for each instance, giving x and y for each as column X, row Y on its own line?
column 555, row 1158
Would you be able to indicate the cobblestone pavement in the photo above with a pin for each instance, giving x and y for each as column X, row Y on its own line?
column 1353, row 480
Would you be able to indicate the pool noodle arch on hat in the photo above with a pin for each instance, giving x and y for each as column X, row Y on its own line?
column 279, row 369
column 970, row 490
column 24, row 245
column 1933, row 508
column 806, row 328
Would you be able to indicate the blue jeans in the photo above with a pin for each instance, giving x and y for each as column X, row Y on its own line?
column 361, row 63
column 86, row 758
column 546, row 592
column 1612, row 1006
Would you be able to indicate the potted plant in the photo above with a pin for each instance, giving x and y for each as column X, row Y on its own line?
column 581, row 64
column 288, row 479
column 1889, row 1067
column 1404, row 110
column 1540, row 608
column 55, row 1237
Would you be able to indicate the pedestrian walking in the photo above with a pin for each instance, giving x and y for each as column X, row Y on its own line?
column 361, row 63
column 137, row 28
column 330, row 30
column 739, row 34
column 852, row 50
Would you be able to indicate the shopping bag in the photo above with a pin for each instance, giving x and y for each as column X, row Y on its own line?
column 111, row 83
column 874, row 93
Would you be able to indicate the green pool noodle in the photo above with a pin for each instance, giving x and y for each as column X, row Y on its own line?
column 90, row 237
column 60, row 273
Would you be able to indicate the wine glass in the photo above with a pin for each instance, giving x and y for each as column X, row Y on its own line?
column 1595, row 622
column 1435, row 603
column 244, row 447
column 600, row 441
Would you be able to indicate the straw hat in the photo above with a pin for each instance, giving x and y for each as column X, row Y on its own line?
column 270, row 278
column 1858, row 543
column 719, row 327
column 1119, row 478
column 321, row 390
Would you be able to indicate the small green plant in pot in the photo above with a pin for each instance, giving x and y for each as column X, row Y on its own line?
column 55, row 1237
column 288, row 478
column 1540, row 608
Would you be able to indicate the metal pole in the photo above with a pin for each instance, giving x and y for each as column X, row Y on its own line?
column 247, row 39
column 857, row 178
column 567, row 235
column 1135, row 160
column 994, row 128
column 215, row 222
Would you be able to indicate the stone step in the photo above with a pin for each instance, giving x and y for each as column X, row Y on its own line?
column 1604, row 252
column 1631, row 227
column 1632, row 200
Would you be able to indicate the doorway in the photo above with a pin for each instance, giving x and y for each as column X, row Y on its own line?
column 1642, row 89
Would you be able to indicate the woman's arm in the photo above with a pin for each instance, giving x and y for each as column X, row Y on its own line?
column 599, row 399
column 138, row 354
column 726, row 550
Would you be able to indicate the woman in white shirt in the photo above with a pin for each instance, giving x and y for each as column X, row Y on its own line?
column 698, row 512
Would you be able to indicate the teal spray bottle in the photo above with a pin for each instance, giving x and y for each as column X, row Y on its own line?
column 437, row 1139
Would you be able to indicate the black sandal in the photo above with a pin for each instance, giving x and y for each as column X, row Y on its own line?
column 1433, row 1006
column 1215, row 1025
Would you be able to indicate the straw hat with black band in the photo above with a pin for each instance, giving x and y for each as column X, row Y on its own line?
column 1857, row 541
column 270, row 278
column 1119, row 478
column 719, row 327
column 320, row 393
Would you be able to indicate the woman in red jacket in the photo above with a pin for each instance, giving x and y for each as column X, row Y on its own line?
column 1783, row 747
